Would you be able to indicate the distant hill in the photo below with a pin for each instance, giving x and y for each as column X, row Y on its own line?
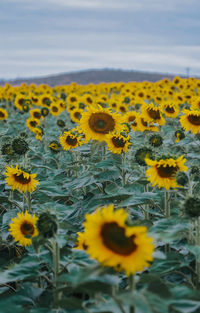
column 92, row 76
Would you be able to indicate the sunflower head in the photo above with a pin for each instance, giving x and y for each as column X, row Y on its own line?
column 143, row 153
column 23, row 228
column 54, row 146
column 47, row 224
column 156, row 140
column 182, row 178
column 44, row 111
column 179, row 134
column 7, row 149
column 20, row 146
column 61, row 123
column 191, row 207
column 113, row 243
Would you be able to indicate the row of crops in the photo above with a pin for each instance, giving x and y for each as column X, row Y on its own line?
column 99, row 198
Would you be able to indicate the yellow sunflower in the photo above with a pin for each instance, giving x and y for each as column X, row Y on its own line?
column 190, row 121
column 3, row 114
column 170, row 109
column 117, row 143
column 55, row 109
column 19, row 101
column 81, row 241
column 75, row 115
column 20, row 180
column 132, row 118
column 163, row 172
column 69, row 140
column 113, row 243
column 23, row 228
column 96, row 123
column 152, row 113
column 36, row 114
column 31, row 123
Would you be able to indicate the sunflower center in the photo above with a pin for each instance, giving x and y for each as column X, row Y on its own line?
column 27, row 229
column 194, row 119
column 2, row 114
column 54, row 109
column 144, row 123
column 118, row 142
column 114, row 239
column 37, row 115
column 89, row 100
column 46, row 101
column 167, row 171
column 154, row 114
column 101, row 123
column 122, row 109
column 169, row 109
column 77, row 115
column 21, row 101
column 131, row 118
column 71, row 141
column 21, row 179
column 33, row 123
column 73, row 99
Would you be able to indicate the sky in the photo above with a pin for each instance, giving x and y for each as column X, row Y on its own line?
column 44, row 37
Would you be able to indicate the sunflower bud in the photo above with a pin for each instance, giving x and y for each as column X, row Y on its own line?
column 192, row 207
column 25, row 107
column 54, row 146
column 44, row 111
column 60, row 123
column 6, row 149
column 181, row 178
column 179, row 134
column 19, row 146
column 47, row 225
column 143, row 153
column 156, row 140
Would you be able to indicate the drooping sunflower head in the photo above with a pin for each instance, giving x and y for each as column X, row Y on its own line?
column 47, row 224
column 191, row 207
column 143, row 153
column 113, row 243
column 54, row 146
column 96, row 123
column 163, row 172
column 23, row 228
column 61, row 123
column 179, row 134
column 20, row 180
column 19, row 146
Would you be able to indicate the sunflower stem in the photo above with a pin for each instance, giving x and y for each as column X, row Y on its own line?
column 146, row 213
column 198, row 244
column 123, row 169
column 167, row 204
column 117, row 301
column 132, row 289
column 56, row 263
column 11, row 197
column 28, row 196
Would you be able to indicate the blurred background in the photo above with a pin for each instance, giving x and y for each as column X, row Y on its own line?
column 45, row 37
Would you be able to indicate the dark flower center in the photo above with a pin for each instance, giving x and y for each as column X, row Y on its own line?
column 118, row 142
column 33, row 123
column 167, row 171
column 2, row 114
column 122, row 109
column 89, row 100
column 21, row 101
column 169, row 109
column 73, row 99
column 37, row 114
column 27, row 229
column 71, row 141
column 21, row 179
column 46, row 101
column 54, row 109
column 114, row 239
column 144, row 123
column 154, row 114
column 101, row 123
column 194, row 119
column 77, row 115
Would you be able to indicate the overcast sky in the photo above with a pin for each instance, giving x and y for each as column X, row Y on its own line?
column 42, row 37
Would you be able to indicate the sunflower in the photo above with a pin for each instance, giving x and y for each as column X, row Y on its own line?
column 152, row 113
column 54, row 146
column 190, row 121
column 96, row 123
column 81, row 241
column 170, row 109
column 113, row 243
column 72, row 98
column 75, row 115
column 31, row 123
column 117, row 143
column 163, row 172
column 132, row 118
column 55, row 109
column 19, row 101
column 20, row 180
column 3, row 114
column 36, row 113
column 68, row 140
column 23, row 228
column 45, row 100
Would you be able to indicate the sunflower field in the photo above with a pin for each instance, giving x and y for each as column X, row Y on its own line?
column 99, row 198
